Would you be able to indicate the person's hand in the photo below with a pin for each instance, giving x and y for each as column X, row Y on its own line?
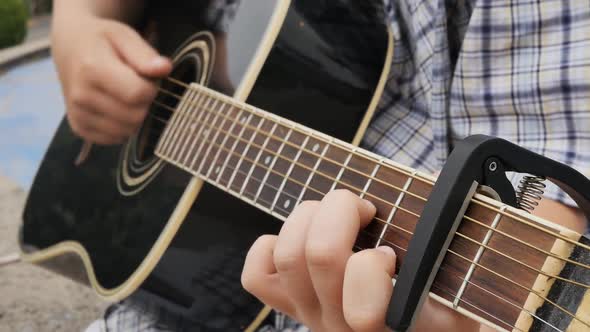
column 310, row 273
column 107, row 73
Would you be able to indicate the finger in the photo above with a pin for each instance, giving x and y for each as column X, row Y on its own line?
column 138, row 54
column 92, row 125
column 120, row 81
column 289, row 259
column 93, row 136
column 102, row 123
column 260, row 278
column 106, row 72
column 367, row 288
column 108, row 106
column 99, row 138
column 329, row 244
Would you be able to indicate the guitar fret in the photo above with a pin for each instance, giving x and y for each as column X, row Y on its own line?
column 204, row 134
column 395, row 207
column 190, row 122
column 232, row 149
column 170, row 128
column 214, row 166
column 172, row 124
column 314, row 170
column 370, row 180
column 180, row 125
column 246, row 199
column 243, row 154
column 285, row 172
column 188, row 127
column 478, row 255
column 256, row 160
column 214, row 140
column 343, row 168
column 290, row 170
column 271, row 166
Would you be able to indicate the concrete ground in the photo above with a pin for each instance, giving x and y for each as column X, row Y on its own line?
column 33, row 299
column 31, row 107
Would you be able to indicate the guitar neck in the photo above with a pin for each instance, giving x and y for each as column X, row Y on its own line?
column 497, row 265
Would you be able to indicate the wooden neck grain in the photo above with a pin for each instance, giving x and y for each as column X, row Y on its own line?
column 493, row 264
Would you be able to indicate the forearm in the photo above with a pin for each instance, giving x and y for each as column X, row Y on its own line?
column 558, row 213
column 128, row 11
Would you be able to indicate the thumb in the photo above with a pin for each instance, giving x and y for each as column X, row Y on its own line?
column 367, row 288
column 137, row 53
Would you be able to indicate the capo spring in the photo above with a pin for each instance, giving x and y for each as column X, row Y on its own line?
column 530, row 192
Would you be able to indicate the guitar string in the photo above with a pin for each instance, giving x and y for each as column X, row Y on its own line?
column 393, row 244
column 317, row 155
column 499, row 211
column 455, row 296
column 413, row 213
column 392, row 186
column 441, row 289
column 532, row 291
column 482, row 310
column 228, row 187
column 266, row 115
column 264, row 133
column 286, row 212
column 364, row 231
column 488, row 247
column 545, row 252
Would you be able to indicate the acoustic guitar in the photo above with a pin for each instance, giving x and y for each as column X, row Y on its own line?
column 251, row 122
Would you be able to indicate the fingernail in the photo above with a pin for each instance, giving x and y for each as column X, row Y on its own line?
column 386, row 249
column 369, row 205
column 159, row 62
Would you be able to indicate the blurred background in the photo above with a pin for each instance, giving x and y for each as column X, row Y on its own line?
column 31, row 107
column 30, row 101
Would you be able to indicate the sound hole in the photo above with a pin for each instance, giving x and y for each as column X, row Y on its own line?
column 185, row 70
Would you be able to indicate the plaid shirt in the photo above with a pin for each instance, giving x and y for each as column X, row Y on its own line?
column 519, row 70
column 516, row 69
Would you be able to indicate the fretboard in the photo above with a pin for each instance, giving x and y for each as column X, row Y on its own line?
column 490, row 269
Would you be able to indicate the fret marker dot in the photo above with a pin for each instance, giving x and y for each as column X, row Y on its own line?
column 267, row 160
column 243, row 120
column 205, row 132
column 217, row 170
column 315, row 147
column 287, row 204
column 193, row 126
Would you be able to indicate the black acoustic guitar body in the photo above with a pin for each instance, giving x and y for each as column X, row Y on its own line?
column 123, row 221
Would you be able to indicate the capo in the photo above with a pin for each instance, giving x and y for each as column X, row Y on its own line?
column 476, row 160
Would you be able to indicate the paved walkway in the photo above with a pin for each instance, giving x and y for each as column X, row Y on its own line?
column 31, row 106
column 39, row 28
column 32, row 299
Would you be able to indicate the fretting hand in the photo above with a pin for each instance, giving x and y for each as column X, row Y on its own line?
column 310, row 273
column 106, row 69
